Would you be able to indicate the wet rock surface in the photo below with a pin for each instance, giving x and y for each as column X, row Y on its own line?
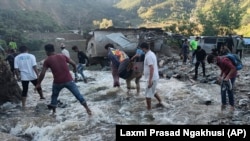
column 172, row 67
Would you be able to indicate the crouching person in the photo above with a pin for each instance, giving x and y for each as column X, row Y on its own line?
column 119, row 61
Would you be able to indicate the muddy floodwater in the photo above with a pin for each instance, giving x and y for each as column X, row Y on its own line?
column 185, row 103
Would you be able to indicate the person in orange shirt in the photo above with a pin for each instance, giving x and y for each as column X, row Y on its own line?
column 119, row 61
column 114, row 64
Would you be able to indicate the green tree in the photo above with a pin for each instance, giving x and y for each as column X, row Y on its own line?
column 221, row 18
column 183, row 27
column 105, row 23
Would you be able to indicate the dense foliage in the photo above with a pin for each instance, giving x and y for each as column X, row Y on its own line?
column 188, row 17
column 193, row 17
column 15, row 24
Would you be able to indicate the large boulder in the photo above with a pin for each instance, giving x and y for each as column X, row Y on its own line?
column 9, row 88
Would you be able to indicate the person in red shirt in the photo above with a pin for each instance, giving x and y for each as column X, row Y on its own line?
column 62, row 77
column 227, row 78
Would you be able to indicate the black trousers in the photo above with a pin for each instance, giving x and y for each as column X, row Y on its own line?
column 197, row 64
column 25, row 85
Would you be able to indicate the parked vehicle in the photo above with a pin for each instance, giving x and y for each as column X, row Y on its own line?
column 214, row 42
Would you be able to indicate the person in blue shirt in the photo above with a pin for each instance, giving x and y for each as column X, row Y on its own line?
column 139, row 55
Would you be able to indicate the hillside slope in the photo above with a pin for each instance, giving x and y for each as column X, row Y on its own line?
column 74, row 14
column 67, row 13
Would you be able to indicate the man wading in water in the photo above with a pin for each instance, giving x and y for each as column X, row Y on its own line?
column 62, row 77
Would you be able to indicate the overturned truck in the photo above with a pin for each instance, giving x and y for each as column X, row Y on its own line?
column 126, row 39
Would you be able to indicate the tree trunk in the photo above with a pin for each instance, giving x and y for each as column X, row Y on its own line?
column 9, row 88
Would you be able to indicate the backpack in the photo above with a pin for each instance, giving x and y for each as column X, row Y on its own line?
column 235, row 60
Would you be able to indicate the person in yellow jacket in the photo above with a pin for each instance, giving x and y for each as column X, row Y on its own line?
column 193, row 48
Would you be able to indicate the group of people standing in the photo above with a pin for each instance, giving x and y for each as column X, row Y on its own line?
column 119, row 62
column 25, row 68
column 83, row 61
column 196, row 53
column 58, row 64
column 228, row 73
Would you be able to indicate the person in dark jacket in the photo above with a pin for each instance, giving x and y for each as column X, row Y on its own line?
column 83, row 60
column 230, row 42
column 185, row 51
column 200, row 59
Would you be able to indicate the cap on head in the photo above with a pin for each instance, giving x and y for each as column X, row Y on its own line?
column 210, row 58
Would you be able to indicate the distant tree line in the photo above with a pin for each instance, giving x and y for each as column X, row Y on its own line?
column 14, row 24
column 187, row 17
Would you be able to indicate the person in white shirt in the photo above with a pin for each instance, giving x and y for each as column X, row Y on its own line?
column 151, row 75
column 64, row 50
column 26, row 71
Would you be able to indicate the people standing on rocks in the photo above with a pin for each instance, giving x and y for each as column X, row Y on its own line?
column 151, row 75
column 57, row 63
column 185, row 51
column 227, row 78
column 26, row 71
column 230, row 42
column 200, row 59
column 83, row 60
column 240, row 46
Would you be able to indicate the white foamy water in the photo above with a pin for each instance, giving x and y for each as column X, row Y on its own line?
column 184, row 104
